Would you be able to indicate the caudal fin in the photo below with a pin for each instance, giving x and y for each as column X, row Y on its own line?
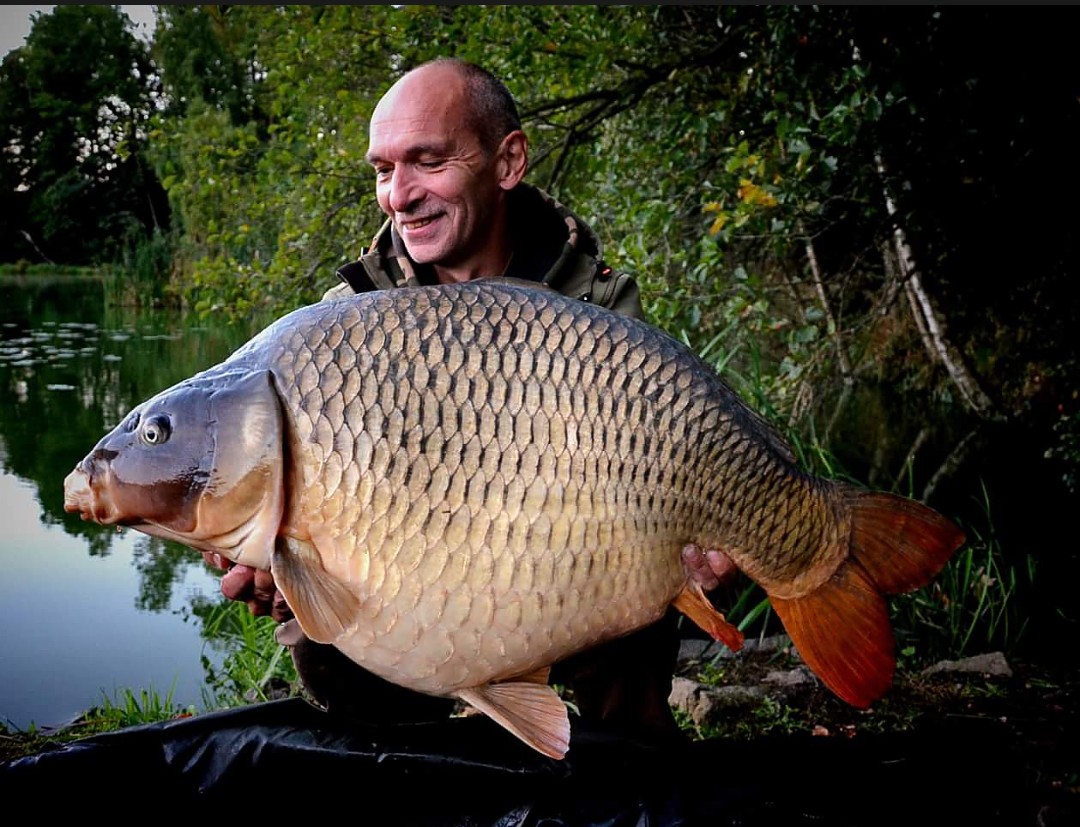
column 901, row 543
column 842, row 628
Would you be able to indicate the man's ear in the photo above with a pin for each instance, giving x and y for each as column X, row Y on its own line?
column 513, row 159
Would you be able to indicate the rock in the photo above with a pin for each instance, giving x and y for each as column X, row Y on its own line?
column 705, row 704
column 694, row 650
column 992, row 664
column 796, row 678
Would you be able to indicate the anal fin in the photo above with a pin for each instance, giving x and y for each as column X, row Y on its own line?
column 693, row 603
column 528, row 708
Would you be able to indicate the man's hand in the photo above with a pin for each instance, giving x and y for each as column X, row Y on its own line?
column 708, row 568
column 253, row 586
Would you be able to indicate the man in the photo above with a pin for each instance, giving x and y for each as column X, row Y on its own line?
column 449, row 157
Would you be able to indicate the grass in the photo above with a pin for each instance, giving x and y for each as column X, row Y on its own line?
column 126, row 708
column 130, row 708
column 257, row 666
column 973, row 605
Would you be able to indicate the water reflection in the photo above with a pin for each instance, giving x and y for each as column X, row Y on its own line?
column 86, row 608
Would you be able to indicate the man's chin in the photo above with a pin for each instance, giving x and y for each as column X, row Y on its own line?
column 423, row 253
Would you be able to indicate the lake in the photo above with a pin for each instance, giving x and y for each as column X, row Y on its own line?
column 87, row 610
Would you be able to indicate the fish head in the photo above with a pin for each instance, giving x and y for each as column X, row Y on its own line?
column 200, row 463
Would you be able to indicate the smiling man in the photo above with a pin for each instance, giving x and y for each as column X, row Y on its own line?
column 443, row 176
column 449, row 157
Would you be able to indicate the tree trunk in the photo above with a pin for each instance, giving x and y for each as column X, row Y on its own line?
column 834, row 331
column 926, row 319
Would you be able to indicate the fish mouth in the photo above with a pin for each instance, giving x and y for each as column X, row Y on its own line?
column 81, row 497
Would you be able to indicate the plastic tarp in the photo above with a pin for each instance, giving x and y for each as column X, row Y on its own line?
column 264, row 760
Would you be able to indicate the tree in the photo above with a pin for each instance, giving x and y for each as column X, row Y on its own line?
column 76, row 101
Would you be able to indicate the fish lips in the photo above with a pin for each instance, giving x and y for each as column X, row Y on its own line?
column 79, row 498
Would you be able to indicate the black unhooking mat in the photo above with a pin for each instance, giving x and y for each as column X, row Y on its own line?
column 263, row 761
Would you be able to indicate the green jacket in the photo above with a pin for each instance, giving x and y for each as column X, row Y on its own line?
column 552, row 246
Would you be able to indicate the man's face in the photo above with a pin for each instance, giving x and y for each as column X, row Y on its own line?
column 432, row 176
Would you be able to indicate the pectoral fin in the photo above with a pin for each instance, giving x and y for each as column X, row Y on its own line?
column 693, row 603
column 325, row 607
column 528, row 708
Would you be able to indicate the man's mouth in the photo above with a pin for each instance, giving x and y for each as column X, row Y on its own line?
column 417, row 223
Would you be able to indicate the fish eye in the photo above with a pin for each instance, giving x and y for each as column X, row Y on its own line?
column 156, row 430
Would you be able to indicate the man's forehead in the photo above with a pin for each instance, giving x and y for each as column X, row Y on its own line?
column 422, row 112
column 395, row 135
column 416, row 133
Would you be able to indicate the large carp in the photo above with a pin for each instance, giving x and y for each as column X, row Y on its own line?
column 458, row 486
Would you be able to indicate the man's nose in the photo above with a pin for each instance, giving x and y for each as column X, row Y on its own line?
column 404, row 191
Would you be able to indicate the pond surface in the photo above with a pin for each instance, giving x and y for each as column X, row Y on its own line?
column 86, row 610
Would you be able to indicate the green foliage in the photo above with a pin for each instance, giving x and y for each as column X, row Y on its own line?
column 735, row 158
column 255, row 663
column 128, row 708
column 140, row 275
column 1066, row 449
column 74, row 102
column 718, row 150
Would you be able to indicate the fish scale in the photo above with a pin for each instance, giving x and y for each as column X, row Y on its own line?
column 459, row 486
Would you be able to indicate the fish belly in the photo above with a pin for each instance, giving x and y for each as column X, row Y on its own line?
column 498, row 617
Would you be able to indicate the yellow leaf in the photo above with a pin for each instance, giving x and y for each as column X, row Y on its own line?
column 751, row 193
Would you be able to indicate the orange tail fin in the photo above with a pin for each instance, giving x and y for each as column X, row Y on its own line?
column 842, row 629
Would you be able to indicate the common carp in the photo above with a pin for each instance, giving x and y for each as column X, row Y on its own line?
column 459, row 486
